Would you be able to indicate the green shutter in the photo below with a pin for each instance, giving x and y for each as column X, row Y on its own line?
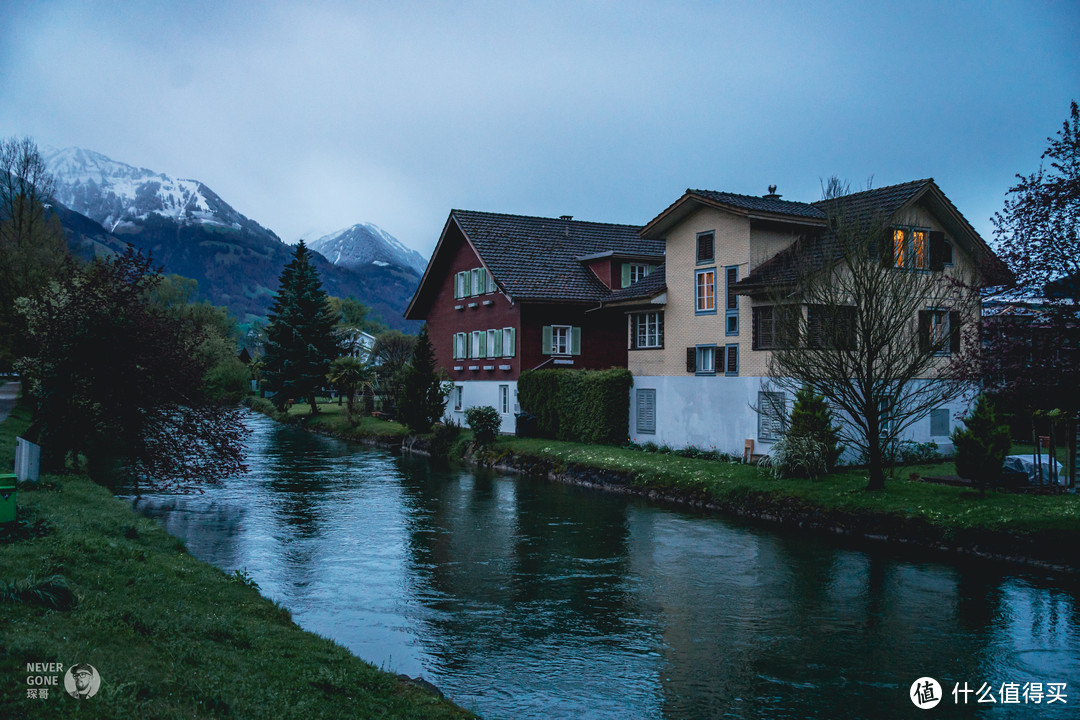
column 490, row 283
column 498, row 343
column 575, row 341
column 648, row 269
column 545, row 340
column 466, row 283
column 509, row 351
column 481, row 281
column 625, row 274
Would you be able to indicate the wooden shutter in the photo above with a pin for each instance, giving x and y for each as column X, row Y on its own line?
column 886, row 249
column 937, row 250
column 490, row 283
column 954, row 331
column 762, row 332
column 498, row 343
column 509, row 342
column 625, row 275
column 575, row 341
column 646, row 410
column 691, row 359
column 545, row 340
column 924, row 331
column 731, row 365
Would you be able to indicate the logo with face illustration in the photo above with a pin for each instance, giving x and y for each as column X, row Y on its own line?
column 82, row 681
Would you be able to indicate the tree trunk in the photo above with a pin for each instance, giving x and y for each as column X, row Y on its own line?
column 314, row 407
column 873, row 452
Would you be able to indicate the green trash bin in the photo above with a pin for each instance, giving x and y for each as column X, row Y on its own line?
column 7, row 498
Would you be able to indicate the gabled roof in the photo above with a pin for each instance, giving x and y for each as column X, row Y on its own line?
column 539, row 259
column 646, row 288
column 861, row 209
column 752, row 206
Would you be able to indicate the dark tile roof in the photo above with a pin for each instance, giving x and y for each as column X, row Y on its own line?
column 647, row 287
column 811, row 250
column 758, row 203
column 535, row 258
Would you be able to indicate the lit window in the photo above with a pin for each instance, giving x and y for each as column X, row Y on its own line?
column 911, row 248
column 705, row 291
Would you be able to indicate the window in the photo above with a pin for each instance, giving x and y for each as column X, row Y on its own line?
column 646, row 330
column 504, row 399
column 494, row 338
column 911, row 249
column 646, row 411
column 705, row 247
column 461, row 346
column 731, row 323
column 705, row 360
column 772, row 415
column 939, row 331
column 705, row 291
column 478, row 344
column 731, row 360
column 508, row 342
column 830, row 327
column 478, row 278
column 638, row 271
column 939, row 422
column 458, row 392
column 775, row 327
column 946, row 252
column 490, row 283
column 561, row 340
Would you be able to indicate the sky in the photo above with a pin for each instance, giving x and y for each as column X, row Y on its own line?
column 309, row 117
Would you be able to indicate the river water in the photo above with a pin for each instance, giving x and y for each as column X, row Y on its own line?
column 522, row 598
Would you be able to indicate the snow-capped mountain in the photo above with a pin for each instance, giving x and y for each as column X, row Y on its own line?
column 366, row 244
column 118, row 195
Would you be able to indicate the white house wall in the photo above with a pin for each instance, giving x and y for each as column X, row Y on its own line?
column 477, row 393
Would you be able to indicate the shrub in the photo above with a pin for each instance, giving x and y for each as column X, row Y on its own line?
column 591, row 406
column 812, row 418
column 983, row 443
column 442, row 438
column 797, row 456
column 485, row 423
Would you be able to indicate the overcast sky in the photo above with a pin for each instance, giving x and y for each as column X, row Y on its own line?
column 310, row 117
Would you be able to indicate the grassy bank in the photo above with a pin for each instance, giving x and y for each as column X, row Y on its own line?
column 171, row 636
column 333, row 420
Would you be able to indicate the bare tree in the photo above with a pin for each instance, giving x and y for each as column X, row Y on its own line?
column 868, row 320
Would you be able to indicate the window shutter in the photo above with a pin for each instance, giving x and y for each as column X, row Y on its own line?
column 481, row 281
column 732, row 365
column 885, row 248
column 545, row 340
column 498, row 343
column 691, row 359
column 646, row 410
column 954, row 331
column 625, row 275
column 490, row 283
column 924, row 331
column 575, row 341
column 508, row 345
column 466, row 283
column 937, row 250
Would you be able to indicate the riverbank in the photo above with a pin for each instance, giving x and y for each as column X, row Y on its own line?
column 1040, row 531
column 85, row 579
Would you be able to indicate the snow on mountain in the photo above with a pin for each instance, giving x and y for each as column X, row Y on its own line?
column 367, row 244
column 118, row 195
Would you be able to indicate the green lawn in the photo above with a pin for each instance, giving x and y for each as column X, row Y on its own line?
column 941, row 505
column 172, row 637
column 332, row 418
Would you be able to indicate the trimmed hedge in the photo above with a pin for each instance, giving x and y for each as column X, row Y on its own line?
column 591, row 406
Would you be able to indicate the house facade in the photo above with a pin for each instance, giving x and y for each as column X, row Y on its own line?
column 700, row 331
column 507, row 293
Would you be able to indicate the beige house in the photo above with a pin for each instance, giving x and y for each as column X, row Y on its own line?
column 701, row 327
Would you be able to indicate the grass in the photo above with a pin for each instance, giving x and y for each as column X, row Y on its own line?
column 171, row 636
column 332, row 418
column 944, row 506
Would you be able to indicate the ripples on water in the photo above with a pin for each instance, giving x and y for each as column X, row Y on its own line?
column 524, row 599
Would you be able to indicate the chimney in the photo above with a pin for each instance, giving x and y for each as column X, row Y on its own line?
column 771, row 194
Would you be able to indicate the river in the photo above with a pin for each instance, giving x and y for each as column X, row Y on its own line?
column 522, row 598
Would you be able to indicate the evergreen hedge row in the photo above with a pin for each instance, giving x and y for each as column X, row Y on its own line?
column 591, row 406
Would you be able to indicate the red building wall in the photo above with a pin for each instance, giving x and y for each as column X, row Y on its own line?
column 444, row 319
column 603, row 336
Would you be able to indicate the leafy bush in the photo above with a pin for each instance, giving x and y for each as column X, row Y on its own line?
column 591, row 406
column 485, row 423
column 812, row 418
column 983, row 443
column 797, row 456
column 443, row 437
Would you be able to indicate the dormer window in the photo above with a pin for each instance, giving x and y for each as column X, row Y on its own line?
column 705, row 250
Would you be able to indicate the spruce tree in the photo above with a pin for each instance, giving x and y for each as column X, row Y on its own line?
column 982, row 444
column 811, row 417
column 423, row 397
column 300, row 338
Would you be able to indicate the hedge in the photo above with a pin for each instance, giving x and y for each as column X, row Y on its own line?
column 591, row 406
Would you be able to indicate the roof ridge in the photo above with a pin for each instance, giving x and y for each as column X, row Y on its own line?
column 883, row 188
column 744, row 195
column 542, row 217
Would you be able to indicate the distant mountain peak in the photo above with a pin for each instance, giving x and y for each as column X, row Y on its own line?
column 366, row 244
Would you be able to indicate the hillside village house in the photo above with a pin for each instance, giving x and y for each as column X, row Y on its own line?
column 700, row 328
column 507, row 293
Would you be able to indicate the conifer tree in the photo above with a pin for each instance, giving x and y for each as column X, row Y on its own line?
column 300, row 338
column 811, row 417
column 423, row 397
column 981, row 446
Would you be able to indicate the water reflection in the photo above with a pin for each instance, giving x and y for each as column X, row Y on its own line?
column 525, row 599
